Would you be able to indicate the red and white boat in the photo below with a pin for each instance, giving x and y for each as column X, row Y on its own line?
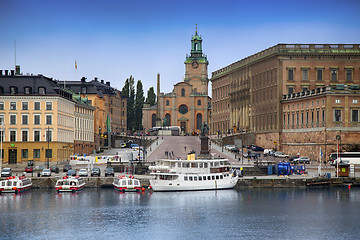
column 123, row 183
column 15, row 184
column 70, row 184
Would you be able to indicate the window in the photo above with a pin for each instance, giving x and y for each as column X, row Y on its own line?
column 12, row 119
column 42, row 91
column 48, row 119
column 291, row 74
column 198, row 121
column 355, row 101
column 183, row 109
column 305, row 74
column 24, row 135
column 355, row 115
column 13, row 90
column 83, row 90
column 25, row 119
column 36, row 153
column 49, row 106
column 337, row 101
column 290, row 90
column 2, row 119
column 27, row 90
column 36, row 105
column 1, row 106
column 37, row 119
column 48, row 135
column 24, row 153
column 349, row 74
column 333, row 73
column 183, row 92
column 337, row 115
column 323, row 115
column 304, row 89
column 36, row 136
column 12, row 105
column 25, row 106
column 2, row 135
column 199, row 102
column 12, row 136
column 319, row 73
column 167, row 102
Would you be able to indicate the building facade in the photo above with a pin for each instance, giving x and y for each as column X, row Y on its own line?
column 188, row 105
column 258, row 83
column 38, row 119
column 110, row 115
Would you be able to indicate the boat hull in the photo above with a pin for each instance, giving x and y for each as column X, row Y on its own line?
column 70, row 189
column 126, row 189
column 16, row 191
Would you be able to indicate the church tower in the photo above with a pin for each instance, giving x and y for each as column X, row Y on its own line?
column 196, row 66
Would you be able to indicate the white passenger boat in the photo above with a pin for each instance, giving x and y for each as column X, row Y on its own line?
column 70, row 184
column 123, row 183
column 191, row 175
column 15, row 184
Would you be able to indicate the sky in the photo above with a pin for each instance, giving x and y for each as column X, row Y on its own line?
column 112, row 40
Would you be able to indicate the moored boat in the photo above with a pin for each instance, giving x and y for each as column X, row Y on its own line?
column 192, row 175
column 15, row 184
column 70, row 184
column 123, row 183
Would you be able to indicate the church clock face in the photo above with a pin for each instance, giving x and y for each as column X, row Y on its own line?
column 183, row 109
column 195, row 64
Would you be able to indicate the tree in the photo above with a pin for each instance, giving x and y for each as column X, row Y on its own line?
column 129, row 92
column 139, row 103
column 151, row 97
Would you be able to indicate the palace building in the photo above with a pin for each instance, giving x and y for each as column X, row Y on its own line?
column 293, row 97
column 188, row 105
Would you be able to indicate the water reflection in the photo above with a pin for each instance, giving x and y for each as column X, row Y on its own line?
column 225, row 214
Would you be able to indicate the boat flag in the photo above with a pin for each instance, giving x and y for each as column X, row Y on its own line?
column 75, row 64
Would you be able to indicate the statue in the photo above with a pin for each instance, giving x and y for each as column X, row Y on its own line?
column 204, row 129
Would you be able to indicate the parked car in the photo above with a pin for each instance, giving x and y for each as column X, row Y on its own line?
column 54, row 169
column 71, row 172
column 302, row 160
column 257, row 148
column 282, row 155
column 45, row 173
column 291, row 158
column 6, row 172
column 83, row 172
column 228, row 147
column 29, row 169
column 67, row 167
column 95, row 172
column 109, row 171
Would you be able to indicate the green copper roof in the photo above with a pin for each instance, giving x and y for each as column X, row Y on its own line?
column 196, row 37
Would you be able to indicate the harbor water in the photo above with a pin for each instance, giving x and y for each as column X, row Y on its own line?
column 326, row 213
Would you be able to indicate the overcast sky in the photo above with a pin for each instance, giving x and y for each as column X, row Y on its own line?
column 112, row 40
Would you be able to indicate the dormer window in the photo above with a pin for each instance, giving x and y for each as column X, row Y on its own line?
column 13, row 90
column 183, row 92
column 42, row 91
column 27, row 90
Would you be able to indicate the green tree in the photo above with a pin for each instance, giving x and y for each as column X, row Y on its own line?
column 139, row 103
column 151, row 97
column 129, row 92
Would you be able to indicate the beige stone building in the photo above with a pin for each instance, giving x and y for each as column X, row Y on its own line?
column 188, row 105
column 258, row 83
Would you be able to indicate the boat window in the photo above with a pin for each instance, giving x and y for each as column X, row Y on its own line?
column 179, row 164
column 190, row 178
column 209, row 178
column 204, row 178
column 123, row 182
column 172, row 164
column 205, row 165
column 2, row 183
column 72, row 183
column 211, row 164
column 130, row 182
column 136, row 182
column 221, row 176
column 186, row 165
column 200, row 178
column 213, row 177
column 195, row 178
column 217, row 164
column 9, row 183
column 217, row 177
column 66, row 183
column 193, row 165
column 185, row 178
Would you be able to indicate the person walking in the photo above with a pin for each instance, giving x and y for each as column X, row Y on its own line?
column 185, row 148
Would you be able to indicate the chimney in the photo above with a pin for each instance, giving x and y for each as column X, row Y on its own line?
column 17, row 69
column 1, row 72
column 108, row 83
column 95, row 78
column 83, row 79
column 6, row 72
column 102, row 81
column 12, row 72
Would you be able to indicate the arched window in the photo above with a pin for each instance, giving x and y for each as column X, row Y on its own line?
column 168, row 119
column 199, row 102
column 153, row 120
column 183, row 92
column 13, row 90
column 198, row 121
column 167, row 102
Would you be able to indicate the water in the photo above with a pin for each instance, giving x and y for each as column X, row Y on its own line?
column 226, row 214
